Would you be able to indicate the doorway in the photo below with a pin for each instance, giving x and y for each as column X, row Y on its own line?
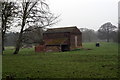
column 65, row 48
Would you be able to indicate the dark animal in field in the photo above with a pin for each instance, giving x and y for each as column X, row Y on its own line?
column 97, row 44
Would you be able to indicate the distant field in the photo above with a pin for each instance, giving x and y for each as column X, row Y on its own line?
column 100, row 62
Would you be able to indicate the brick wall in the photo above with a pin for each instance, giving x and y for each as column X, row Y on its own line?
column 55, row 35
column 40, row 48
column 52, row 48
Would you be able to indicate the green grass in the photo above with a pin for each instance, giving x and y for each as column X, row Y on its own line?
column 100, row 62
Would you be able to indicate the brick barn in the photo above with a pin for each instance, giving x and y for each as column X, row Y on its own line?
column 62, row 39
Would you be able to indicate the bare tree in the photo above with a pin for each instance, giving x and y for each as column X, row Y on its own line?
column 35, row 14
column 7, row 14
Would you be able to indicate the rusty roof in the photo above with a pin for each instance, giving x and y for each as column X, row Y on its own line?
column 63, row 29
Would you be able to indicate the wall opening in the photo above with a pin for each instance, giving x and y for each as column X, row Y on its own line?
column 65, row 48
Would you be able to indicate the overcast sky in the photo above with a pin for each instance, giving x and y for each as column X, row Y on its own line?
column 85, row 13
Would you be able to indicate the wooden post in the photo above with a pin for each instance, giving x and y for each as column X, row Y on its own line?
column 76, row 41
column 60, row 47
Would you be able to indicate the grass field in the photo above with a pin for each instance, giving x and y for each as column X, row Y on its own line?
column 100, row 62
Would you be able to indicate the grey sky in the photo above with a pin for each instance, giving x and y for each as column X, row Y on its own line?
column 85, row 13
column 119, row 11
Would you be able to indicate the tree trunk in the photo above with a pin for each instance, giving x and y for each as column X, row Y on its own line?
column 108, row 37
column 18, row 44
column 3, row 34
column 3, row 41
column 1, row 52
column 4, row 28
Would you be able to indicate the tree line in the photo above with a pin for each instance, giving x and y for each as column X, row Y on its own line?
column 33, row 36
column 107, row 32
